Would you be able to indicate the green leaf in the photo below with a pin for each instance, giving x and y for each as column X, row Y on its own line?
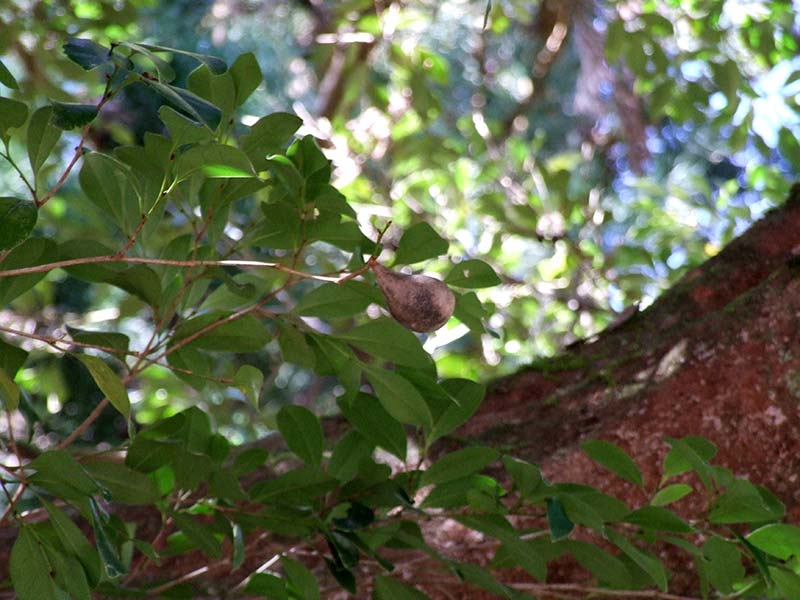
column 399, row 397
column 646, row 561
column 691, row 453
column 244, row 334
column 660, row 519
column 11, row 358
column 213, row 160
column 30, row 569
column 301, row 581
column 482, row 578
column 285, row 173
column 300, row 487
column 472, row 273
column 13, row 114
column 468, row 395
column 109, row 555
column 294, row 346
column 108, row 382
column 199, row 534
column 185, row 101
column 269, row 135
column 777, row 539
column 614, row 459
column 6, row 78
column 671, row 493
column 31, row 252
column 606, row 568
column 9, row 392
column 249, row 460
column 372, row 421
column 527, row 478
column 216, row 64
column 385, row 338
column 348, row 454
column 458, row 464
column 60, row 474
column 724, row 564
column 246, row 76
column 86, row 53
column 116, row 342
column 182, row 129
column 69, row 574
column 787, row 582
column 418, row 243
column 470, row 311
column 74, row 541
column 303, row 433
column 108, row 184
column 331, row 300
column 388, row 588
column 123, row 483
column 17, row 220
column 42, row 137
column 249, row 380
column 70, row 115
column 269, row 586
column 163, row 68
column 743, row 502
column 558, row 521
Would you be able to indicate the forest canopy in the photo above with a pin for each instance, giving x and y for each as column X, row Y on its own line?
column 212, row 215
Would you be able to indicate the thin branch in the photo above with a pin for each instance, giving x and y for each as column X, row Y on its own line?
column 555, row 590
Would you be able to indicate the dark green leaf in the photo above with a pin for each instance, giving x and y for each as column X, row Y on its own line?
column 418, row 243
column 468, row 395
column 244, row 334
column 607, row 568
column 646, row 561
column 331, row 301
column 147, row 455
column 42, row 137
column 17, row 220
column 482, row 578
column 724, row 564
column 558, row 521
column 108, row 382
column 249, row 460
column 199, row 534
column 6, row 78
column 268, row 136
column 458, row 464
column 249, row 380
column 303, row 433
column 300, row 487
column 301, row 581
column 70, row 116
column 125, row 485
column 269, row 586
column 526, row 477
column 246, row 76
column 216, row 64
column 399, row 397
column 109, row 555
column 691, row 453
column 470, row 311
column 86, row 53
column 742, row 502
column 358, row 517
column 472, row 274
column 56, row 470
column 117, row 343
column 294, row 346
column 372, row 421
column 660, row 519
column 454, row 493
column 30, row 569
column 388, row 588
column 614, row 459
column 9, row 392
column 69, row 574
column 182, row 129
column 348, row 455
column 11, row 358
column 74, row 541
column 13, row 114
column 31, row 252
column 385, row 338
column 186, row 102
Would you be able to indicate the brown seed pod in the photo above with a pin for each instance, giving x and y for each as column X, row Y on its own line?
column 418, row 302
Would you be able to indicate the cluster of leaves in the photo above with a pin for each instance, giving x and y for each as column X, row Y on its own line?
column 201, row 230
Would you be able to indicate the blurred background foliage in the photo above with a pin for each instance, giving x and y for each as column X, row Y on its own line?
column 591, row 151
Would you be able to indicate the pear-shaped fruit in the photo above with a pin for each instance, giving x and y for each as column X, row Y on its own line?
column 418, row 302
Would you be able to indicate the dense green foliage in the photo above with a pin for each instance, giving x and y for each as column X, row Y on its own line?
column 183, row 268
